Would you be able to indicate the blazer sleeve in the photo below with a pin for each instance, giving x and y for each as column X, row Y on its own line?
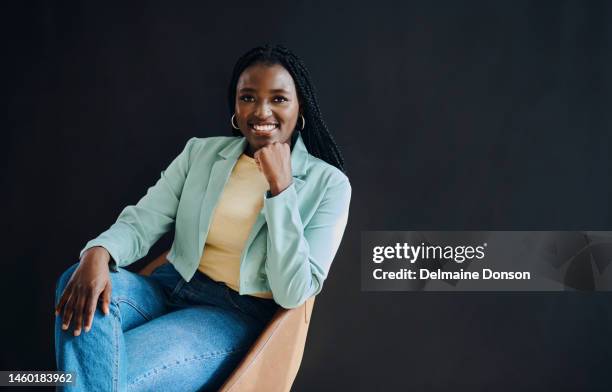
column 298, row 257
column 139, row 226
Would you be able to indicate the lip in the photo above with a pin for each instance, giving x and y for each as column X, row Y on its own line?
column 260, row 132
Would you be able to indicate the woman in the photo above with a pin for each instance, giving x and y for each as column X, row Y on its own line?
column 258, row 218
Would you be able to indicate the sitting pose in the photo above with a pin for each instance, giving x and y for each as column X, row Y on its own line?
column 257, row 219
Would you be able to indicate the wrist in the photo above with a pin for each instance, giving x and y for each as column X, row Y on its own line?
column 277, row 187
column 96, row 254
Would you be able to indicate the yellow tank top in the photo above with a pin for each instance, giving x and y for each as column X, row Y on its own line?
column 233, row 218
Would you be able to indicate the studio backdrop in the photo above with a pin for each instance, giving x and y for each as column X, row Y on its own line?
column 451, row 116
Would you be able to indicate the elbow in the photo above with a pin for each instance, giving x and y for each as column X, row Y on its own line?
column 294, row 297
column 288, row 299
column 290, row 303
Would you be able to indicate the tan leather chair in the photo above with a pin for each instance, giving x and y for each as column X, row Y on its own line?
column 274, row 359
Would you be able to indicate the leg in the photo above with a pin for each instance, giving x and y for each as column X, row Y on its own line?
column 98, row 356
column 191, row 349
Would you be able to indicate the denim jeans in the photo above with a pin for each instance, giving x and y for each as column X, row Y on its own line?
column 162, row 334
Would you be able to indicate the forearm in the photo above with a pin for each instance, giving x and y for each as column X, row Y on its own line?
column 299, row 256
column 288, row 264
column 123, row 243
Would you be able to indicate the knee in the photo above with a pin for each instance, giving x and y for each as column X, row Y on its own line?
column 63, row 281
column 120, row 281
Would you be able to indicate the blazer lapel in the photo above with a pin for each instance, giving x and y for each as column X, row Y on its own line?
column 219, row 174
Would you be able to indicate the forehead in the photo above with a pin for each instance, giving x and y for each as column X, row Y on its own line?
column 266, row 77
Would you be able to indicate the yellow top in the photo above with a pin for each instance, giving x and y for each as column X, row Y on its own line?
column 233, row 218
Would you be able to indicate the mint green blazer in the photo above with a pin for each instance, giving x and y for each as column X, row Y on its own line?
column 291, row 245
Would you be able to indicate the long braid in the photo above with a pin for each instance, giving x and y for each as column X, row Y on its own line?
column 317, row 138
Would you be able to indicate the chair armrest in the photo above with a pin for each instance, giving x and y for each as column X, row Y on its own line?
column 274, row 359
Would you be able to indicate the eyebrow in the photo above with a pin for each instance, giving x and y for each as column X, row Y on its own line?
column 274, row 91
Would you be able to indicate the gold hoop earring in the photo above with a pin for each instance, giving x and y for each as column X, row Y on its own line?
column 303, row 121
column 232, row 121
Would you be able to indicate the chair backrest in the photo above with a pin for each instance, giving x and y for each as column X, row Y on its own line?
column 273, row 361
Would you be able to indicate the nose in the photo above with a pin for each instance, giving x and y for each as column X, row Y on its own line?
column 263, row 111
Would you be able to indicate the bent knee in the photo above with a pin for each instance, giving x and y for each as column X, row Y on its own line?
column 120, row 280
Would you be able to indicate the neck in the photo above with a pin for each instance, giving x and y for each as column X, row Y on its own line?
column 249, row 152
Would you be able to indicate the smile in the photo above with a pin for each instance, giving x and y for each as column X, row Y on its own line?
column 263, row 128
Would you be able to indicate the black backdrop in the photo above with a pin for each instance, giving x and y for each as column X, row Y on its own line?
column 451, row 115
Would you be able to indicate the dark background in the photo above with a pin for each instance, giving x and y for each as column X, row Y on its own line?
column 451, row 115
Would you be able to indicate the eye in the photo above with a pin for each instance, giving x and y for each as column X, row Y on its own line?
column 247, row 98
column 280, row 99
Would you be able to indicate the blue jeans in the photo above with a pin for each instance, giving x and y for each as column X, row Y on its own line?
column 162, row 334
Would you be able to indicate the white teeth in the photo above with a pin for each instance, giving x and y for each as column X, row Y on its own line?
column 264, row 127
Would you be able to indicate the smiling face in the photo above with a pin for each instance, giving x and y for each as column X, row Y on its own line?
column 267, row 105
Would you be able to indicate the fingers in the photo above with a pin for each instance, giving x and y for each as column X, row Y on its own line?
column 92, row 301
column 258, row 159
column 90, row 310
column 68, row 311
column 79, row 309
column 80, row 304
column 106, row 297
column 63, row 299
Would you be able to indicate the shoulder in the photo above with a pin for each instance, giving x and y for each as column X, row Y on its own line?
column 211, row 144
column 203, row 147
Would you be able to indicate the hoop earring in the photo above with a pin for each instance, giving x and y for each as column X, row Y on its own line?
column 232, row 121
column 303, row 121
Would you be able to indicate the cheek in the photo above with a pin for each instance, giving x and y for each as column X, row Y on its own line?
column 291, row 113
column 242, row 111
column 238, row 108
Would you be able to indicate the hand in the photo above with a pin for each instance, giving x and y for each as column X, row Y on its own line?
column 274, row 161
column 80, row 297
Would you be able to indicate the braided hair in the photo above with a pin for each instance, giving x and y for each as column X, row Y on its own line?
column 316, row 136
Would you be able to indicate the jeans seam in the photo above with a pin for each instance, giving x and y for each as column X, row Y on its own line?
column 177, row 362
column 177, row 288
column 228, row 294
column 116, row 328
column 126, row 300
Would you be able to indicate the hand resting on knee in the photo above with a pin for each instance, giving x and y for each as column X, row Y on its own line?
column 89, row 282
